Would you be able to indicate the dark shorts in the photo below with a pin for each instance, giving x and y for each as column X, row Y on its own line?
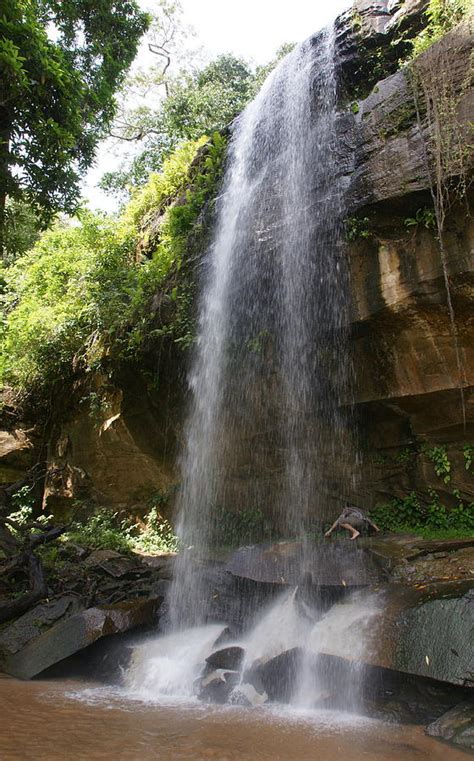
column 355, row 522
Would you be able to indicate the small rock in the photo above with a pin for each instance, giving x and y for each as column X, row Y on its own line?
column 114, row 564
column 246, row 695
column 226, row 636
column 97, row 557
column 217, row 686
column 456, row 726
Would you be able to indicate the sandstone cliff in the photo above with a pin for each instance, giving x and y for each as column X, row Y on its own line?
column 122, row 450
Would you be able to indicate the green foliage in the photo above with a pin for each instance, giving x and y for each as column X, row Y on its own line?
column 425, row 217
column 58, row 93
column 409, row 514
column 163, row 186
column 102, row 531
column 208, row 100
column 157, row 535
column 22, row 229
column 468, row 452
column 355, row 108
column 23, row 502
column 105, row 530
column 404, row 456
column 179, row 221
column 82, row 292
column 63, row 298
column 357, row 228
column 442, row 16
column 198, row 102
column 439, row 457
column 185, row 105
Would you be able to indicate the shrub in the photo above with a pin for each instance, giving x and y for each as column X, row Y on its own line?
column 442, row 16
column 409, row 514
column 81, row 293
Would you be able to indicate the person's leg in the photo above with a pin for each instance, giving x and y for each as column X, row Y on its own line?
column 354, row 533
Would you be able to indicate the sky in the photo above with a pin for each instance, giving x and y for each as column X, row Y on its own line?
column 252, row 29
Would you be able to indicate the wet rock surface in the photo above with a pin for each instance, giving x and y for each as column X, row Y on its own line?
column 434, row 638
column 217, row 686
column 70, row 635
column 88, row 595
column 410, row 559
column 456, row 726
column 229, row 658
column 338, row 564
column 279, row 675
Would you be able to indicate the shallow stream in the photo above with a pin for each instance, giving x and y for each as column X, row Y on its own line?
column 61, row 720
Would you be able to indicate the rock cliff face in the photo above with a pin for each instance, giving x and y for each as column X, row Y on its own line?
column 408, row 374
column 120, row 446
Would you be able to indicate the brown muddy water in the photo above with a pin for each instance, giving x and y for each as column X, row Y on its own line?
column 74, row 721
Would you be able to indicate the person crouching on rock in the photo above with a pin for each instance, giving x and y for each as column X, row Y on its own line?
column 353, row 520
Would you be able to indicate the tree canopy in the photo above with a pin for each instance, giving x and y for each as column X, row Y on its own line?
column 61, row 62
column 177, row 97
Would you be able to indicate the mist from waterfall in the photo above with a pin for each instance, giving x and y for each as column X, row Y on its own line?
column 271, row 368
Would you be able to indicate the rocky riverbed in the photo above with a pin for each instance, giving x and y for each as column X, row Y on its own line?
column 418, row 669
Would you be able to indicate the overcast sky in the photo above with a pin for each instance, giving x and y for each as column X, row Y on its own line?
column 253, row 29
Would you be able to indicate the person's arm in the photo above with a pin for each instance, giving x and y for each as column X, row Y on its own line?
column 371, row 523
column 329, row 532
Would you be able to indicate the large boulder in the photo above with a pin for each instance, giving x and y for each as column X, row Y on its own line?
column 425, row 629
column 279, row 675
column 435, row 638
column 24, row 655
column 330, row 564
column 412, row 560
column 230, row 658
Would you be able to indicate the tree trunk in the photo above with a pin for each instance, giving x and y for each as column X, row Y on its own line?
column 5, row 174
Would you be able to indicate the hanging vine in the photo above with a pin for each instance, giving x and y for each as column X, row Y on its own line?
column 440, row 83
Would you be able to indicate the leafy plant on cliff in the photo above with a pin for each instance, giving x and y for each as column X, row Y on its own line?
column 178, row 222
column 468, row 452
column 442, row 16
column 425, row 217
column 83, row 292
column 439, row 457
column 357, row 228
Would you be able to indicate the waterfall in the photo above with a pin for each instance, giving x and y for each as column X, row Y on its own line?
column 271, row 369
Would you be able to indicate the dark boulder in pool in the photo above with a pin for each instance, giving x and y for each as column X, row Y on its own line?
column 229, row 658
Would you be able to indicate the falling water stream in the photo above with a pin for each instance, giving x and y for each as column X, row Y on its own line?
column 271, row 369
column 270, row 378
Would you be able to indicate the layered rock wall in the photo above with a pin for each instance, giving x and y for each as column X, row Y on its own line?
column 119, row 445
